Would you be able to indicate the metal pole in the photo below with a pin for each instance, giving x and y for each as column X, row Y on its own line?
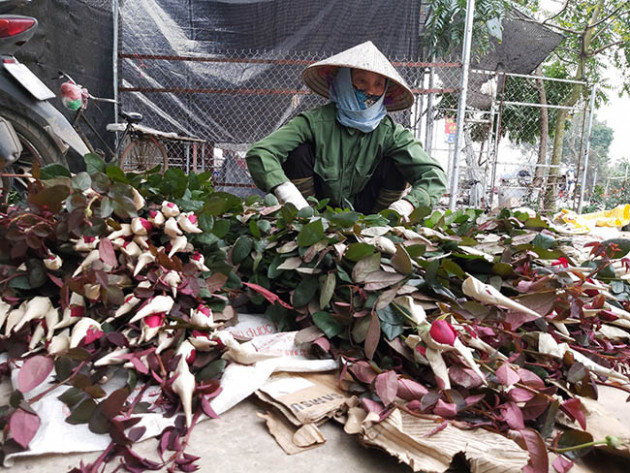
column 461, row 107
column 115, row 63
column 588, row 146
column 428, row 140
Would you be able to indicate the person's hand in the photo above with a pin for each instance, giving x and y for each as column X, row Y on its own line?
column 403, row 207
column 288, row 193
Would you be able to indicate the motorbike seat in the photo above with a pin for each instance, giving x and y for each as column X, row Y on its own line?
column 131, row 117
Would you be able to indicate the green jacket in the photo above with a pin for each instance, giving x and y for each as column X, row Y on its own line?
column 345, row 158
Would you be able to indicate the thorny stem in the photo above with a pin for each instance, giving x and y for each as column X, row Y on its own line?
column 94, row 466
column 186, row 439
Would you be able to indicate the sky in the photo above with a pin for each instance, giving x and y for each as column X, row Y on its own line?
column 615, row 113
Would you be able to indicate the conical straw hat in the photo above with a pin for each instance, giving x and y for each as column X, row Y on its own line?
column 364, row 56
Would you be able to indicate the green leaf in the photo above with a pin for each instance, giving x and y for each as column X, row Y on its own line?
column 20, row 282
column 82, row 413
column 344, row 219
column 94, row 164
column 270, row 200
column 306, row 212
column 115, row 173
column 221, row 227
column 311, row 233
column 452, row 268
column 574, row 438
column 392, row 324
column 82, row 181
column 328, row 283
column 72, row 396
column 54, row 170
column 357, row 251
column 304, row 292
column 211, row 370
column 206, row 222
column 327, row 323
column 242, row 248
column 543, row 240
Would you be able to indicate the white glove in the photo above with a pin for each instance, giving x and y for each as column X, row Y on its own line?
column 403, row 207
column 288, row 193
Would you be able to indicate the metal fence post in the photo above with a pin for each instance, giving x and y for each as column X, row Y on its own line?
column 588, row 147
column 461, row 107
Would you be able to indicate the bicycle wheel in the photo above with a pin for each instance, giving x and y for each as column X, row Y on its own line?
column 143, row 153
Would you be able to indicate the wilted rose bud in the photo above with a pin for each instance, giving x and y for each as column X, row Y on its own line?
column 52, row 262
column 140, row 226
column 171, row 228
column 156, row 218
column 443, row 332
column 188, row 223
column 198, row 260
column 170, row 209
column 138, row 200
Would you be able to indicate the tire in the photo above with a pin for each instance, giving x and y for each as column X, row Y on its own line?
column 143, row 153
column 37, row 147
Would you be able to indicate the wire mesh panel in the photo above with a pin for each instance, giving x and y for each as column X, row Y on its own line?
column 232, row 114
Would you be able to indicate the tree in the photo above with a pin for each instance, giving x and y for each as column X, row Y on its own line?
column 595, row 32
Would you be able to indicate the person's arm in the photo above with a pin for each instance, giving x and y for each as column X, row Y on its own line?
column 265, row 158
column 424, row 173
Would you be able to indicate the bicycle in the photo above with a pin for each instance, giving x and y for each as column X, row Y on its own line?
column 140, row 145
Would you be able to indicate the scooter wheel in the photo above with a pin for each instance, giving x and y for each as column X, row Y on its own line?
column 37, row 148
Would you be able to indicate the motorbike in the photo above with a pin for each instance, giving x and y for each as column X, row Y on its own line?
column 45, row 135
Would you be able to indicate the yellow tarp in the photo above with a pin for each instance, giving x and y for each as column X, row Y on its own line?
column 617, row 217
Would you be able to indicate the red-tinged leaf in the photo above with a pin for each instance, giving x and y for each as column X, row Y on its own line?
column 136, row 433
column 134, row 461
column 323, row 343
column 410, row 390
column 155, row 376
column 56, row 281
column 445, row 409
column 386, row 386
column 530, row 378
column 114, row 403
column 373, row 336
column 372, row 406
column 573, row 408
column 520, row 395
column 506, row 375
column 535, row 407
column 438, row 429
column 562, row 465
column 363, row 372
column 139, row 365
column 472, row 400
column 531, row 441
column 414, row 405
column 23, row 426
column 34, row 372
column 207, row 408
column 106, row 252
column 464, row 377
column 512, row 415
column 267, row 294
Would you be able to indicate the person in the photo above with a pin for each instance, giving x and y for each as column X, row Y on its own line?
column 349, row 150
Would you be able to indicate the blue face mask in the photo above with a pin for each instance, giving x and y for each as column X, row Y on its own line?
column 352, row 109
column 365, row 100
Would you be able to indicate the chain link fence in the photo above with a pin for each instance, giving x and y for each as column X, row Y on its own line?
column 261, row 91
column 228, row 101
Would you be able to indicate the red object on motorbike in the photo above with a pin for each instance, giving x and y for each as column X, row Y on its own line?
column 15, row 26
